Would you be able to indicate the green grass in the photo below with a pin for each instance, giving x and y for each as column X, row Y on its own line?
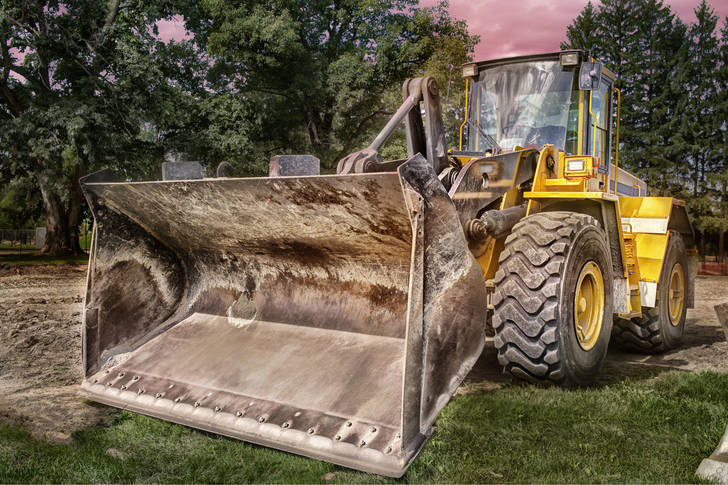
column 635, row 431
column 26, row 259
column 16, row 248
column 84, row 241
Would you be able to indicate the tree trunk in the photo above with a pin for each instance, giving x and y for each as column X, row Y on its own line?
column 721, row 246
column 319, row 132
column 74, row 213
column 56, row 241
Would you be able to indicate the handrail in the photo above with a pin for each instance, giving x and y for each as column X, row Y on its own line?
column 467, row 84
column 591, row 113
column 616, row 153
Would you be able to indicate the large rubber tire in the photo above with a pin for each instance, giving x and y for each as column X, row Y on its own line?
column 654, row 332
column 534, row 295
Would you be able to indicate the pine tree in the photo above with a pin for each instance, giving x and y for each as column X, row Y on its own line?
column 585, row 31
column 661, row 39
column 718, row 178
column 698, row 129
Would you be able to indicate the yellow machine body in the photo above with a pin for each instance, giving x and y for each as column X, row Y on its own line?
column 637, row 225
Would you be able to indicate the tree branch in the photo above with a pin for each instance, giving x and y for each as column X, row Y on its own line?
column 5, row 90
column 111, row 17
column 5, row 114
column 273, row 92
column 347, row 147
column 22, row 26
column 108, row 23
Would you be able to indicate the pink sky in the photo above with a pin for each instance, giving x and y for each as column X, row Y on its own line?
column 520, row 27
column 509, row 27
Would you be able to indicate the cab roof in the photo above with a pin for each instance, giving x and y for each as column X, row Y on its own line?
column 549, row 56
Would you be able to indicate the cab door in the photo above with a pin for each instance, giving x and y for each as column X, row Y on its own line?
column 598, row 144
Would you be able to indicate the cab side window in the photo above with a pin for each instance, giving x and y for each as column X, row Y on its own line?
column 572, row 124
column 601, row 101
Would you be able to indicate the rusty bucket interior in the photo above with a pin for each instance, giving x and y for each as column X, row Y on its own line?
column 329, row 316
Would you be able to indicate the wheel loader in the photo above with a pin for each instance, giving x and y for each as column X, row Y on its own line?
column 334, row 316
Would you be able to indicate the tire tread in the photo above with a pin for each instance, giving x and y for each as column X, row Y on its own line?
column 526, row 294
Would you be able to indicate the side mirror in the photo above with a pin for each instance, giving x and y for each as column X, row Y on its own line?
column 589, row 75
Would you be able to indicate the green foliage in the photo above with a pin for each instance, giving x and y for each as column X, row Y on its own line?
column 87, row 84
column 583, row 33
column 19, row 206
column 651, row 431
column 321, row 74
column 79, row 85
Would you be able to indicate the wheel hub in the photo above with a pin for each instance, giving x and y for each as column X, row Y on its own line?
column 589, row 305
column 676, row 294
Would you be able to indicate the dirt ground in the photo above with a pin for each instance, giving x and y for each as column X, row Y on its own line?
column 40, row 350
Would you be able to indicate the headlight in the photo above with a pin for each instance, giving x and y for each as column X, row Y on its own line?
column 470, row 70
column 569, row 58
column 575, row 166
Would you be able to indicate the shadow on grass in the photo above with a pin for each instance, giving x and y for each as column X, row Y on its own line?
column 653, row 430
column 487, row 374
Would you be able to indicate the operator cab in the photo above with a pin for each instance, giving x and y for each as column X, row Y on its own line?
column 531, row 101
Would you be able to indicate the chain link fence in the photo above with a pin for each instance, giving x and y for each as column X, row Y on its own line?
column 20, row 240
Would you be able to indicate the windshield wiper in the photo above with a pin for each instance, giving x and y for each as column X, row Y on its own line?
column 494, row 144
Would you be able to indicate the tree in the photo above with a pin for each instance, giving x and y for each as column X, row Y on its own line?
column 717, row 178
column 19, row 206
column 79, row 84
column 698, row 133
column 584, row 31
column 320, row 71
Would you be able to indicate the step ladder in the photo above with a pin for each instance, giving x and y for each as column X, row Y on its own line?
column 633, row 270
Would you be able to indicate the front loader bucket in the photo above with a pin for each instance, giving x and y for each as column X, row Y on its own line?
column 329, row 316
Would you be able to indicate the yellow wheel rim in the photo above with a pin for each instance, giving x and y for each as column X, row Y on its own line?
column 676, row 294
column 589, row 305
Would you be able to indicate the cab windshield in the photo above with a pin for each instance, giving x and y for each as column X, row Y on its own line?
column 522, row 104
